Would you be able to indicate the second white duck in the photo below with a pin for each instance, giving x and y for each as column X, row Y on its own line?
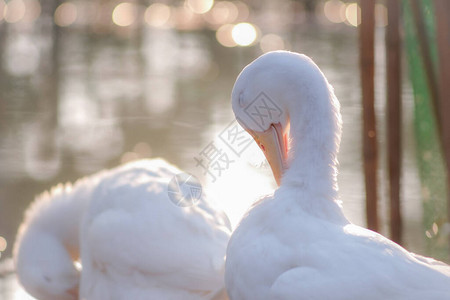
column 132, row 241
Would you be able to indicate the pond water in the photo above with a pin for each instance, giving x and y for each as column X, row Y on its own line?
column 93, row 101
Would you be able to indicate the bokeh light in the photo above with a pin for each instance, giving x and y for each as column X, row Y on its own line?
column 124, row 14
column 14, row 11
column 140, row 150
column 243, row 10
column 223, row 12
column 3, row 244
column 433, row 231
column 244, row 34
column 334, row 11
column 353, row 14
column 199, row 6
column 129, row 156
column 157, row 14
column 77, row 264
column 185, row 19
column 271, row 42
column 66, row 14
column 224, row 35
column 32, row 10
column 2, row 9
column 143, row 149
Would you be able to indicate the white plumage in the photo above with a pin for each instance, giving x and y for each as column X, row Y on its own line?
column 296, row 243
column 133, row 242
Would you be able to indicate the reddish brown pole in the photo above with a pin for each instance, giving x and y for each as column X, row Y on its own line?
column 393, row 76
column 366, row 44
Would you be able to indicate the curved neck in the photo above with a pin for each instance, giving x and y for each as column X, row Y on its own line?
column 314, row 142
column 312, row 160
column 55, row 215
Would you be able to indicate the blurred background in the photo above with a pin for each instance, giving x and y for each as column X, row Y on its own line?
column 88, row 85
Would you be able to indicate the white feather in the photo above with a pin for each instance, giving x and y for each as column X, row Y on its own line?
column 133, row 242
column 297, row 244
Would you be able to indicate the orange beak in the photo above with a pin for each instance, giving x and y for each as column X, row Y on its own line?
column 273, row 142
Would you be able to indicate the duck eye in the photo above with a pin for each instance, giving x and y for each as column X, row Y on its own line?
column 48, row 279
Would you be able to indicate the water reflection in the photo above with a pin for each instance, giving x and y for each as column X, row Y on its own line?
column 21, row 55
column 88, row 94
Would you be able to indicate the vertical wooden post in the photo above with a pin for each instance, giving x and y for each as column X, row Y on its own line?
column 393, row 76
column 442, row 7
column 366, row 43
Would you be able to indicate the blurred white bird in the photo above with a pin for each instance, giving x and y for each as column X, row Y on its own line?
column 132, row 241
column 296, row 243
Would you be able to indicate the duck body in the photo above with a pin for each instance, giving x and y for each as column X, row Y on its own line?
column 134, row 235
column 132, row 241
column 282, row 251
column 297, row 243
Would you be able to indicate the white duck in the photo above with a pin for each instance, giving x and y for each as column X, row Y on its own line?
column 132, row 241
column 296, row 243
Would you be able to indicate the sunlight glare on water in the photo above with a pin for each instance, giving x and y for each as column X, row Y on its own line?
column 66, row 14
column 353, row 14
column 223, row 12
column 3, row 244
column 224, row 35
column 14, row 11
column 272, row 42
column 157, row 14
column 124, row 14
column 334, row 10
column 200, row 6
column 244, row 34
